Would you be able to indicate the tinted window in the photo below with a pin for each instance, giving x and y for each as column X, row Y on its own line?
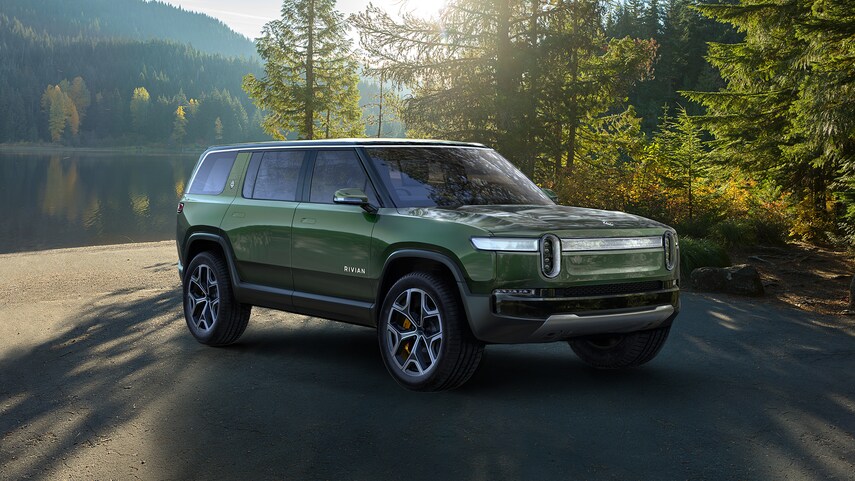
column 338, row 169
column 251, row 173
column 274, row 175
column 213, row 173
column 449, row 176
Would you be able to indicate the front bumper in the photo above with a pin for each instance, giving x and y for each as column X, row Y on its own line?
column 505, row 318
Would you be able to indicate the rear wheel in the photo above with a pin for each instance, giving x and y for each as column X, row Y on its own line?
column 616, row 351
column 424, row 337
column 213, row 315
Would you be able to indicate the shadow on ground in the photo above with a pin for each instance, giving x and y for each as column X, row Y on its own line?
column 741, row 391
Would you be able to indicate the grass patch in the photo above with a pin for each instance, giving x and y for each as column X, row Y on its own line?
column 696, row 253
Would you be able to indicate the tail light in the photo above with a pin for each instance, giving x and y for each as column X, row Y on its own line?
column 180, row 207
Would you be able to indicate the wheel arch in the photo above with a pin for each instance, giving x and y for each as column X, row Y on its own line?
column 405, row 261
column 201, row 241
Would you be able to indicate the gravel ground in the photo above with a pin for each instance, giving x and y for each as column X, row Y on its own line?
column 100, row 380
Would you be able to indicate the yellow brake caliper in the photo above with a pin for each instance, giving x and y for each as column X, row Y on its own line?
column 407, row 346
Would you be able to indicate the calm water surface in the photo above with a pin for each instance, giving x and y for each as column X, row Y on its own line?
column 56, row 200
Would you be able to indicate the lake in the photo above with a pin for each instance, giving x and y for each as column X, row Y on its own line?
column 73, row 199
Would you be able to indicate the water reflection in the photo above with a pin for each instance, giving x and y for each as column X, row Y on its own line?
column 77, row 199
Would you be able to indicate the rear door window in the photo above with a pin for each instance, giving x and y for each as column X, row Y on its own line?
column 211, row 176
column 274, row 175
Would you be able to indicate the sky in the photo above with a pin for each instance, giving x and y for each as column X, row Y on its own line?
column 249, row 16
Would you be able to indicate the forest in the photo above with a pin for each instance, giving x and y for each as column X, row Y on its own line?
column 731, row 121
column 129, row 19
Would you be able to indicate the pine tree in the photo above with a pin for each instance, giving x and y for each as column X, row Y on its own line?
column 218, row 129
column 309, row 71
column 79, row 94
column 179, row 126
column 526, row 76
column 589, row 76
column 679, row 149
column 651, row 20
column 787, row 110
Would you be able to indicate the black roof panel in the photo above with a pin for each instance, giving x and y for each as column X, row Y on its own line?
column 368, row 142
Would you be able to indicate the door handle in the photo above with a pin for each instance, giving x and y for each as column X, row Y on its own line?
column 308, row 220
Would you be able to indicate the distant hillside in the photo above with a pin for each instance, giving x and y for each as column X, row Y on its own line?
column 128, row 92
column 128, row 19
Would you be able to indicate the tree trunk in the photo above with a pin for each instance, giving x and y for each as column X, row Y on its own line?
column 309, row 122
column 327, row 133
column 556, row 171
column 533, row 67
column 504, row 80
column 691, row 200
column 380, row 112
column 573, row 110
column 852, row 295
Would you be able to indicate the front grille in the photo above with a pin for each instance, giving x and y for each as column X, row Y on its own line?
column 603, row 289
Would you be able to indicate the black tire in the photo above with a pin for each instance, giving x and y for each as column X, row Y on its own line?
column 223, row 323
column 618, row 351
column 438, row 358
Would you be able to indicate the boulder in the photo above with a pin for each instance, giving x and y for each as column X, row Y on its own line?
column 742, row 280
column 708, row 279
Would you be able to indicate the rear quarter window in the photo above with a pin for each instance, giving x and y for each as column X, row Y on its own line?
column 211, row 176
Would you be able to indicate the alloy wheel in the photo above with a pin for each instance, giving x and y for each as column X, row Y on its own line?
column 203, row 298
column 414, row 332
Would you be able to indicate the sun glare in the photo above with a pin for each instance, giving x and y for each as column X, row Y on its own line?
column 421, row 8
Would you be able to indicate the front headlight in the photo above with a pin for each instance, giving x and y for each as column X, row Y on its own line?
column 507, row 244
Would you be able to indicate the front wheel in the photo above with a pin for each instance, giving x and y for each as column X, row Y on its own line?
column 617, row 351
column 424, row 337
column 213, row 315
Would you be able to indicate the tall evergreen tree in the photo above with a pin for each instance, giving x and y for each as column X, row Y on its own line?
column 588, row 79
column 787, row 110
column 309, row 71
column 179, row 125
column 524, row 75
column 679, row 148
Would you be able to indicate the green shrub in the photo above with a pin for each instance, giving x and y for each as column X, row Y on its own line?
column 696, row 253
column 730, row 233
column 749, row 232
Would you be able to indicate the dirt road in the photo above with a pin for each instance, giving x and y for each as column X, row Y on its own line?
column 100, row 380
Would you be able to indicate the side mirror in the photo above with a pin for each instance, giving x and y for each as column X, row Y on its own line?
column 550, row 193
column 354, row 197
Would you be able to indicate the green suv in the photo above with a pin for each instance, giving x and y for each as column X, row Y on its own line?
column 442, row 247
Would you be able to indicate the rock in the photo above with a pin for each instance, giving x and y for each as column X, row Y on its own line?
column 742, row 279
column 759, row 259
column 708, row 279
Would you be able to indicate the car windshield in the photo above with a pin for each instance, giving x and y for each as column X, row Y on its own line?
column 452, row 176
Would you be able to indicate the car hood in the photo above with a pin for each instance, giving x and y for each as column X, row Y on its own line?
column 539, row 219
